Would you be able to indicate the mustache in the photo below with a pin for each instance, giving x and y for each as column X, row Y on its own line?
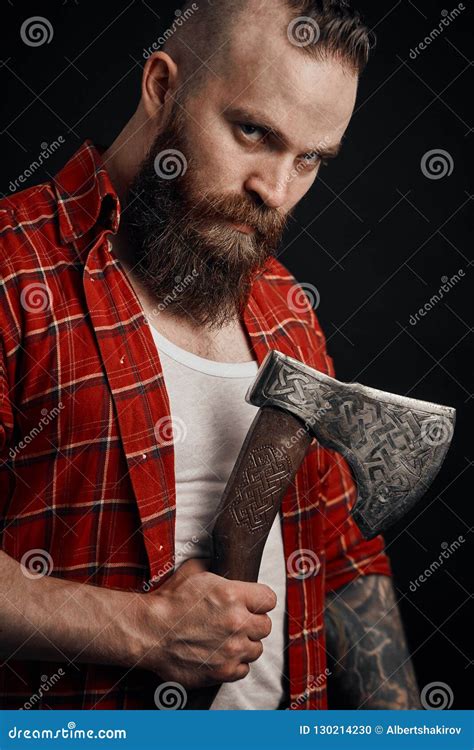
column 235, row 208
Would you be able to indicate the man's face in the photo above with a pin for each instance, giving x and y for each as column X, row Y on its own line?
column 216, row 210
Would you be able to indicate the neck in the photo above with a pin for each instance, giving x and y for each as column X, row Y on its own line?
column 122, row 161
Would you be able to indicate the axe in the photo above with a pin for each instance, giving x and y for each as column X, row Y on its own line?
column 394, row 446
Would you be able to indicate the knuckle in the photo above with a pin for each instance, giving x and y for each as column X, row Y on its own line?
column 235, row 621
column 229, row 594
column 233, row 648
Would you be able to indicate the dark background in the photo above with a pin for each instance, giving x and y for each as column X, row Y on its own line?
column 374, row 236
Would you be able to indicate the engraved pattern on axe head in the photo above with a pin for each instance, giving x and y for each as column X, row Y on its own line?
column 385, row 443
column 296, row 388
column 266, row 470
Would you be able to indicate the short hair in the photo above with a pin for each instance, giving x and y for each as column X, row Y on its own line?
column 320, row 28
column 341, row 31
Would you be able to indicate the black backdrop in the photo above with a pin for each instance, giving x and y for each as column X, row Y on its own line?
column 377, row 236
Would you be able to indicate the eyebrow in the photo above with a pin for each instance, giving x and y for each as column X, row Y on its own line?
column 326, row 152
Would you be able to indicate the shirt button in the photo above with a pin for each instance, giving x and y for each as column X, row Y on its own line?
column 144, row 456
column 122, row 360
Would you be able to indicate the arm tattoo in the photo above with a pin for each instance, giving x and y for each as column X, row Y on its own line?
column 367, row 653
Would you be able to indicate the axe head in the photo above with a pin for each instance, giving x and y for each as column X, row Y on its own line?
column 394, row 445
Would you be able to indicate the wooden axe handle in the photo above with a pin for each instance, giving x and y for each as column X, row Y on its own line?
column 271, row 454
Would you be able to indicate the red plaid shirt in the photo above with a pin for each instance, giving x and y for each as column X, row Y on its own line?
column 82, row 477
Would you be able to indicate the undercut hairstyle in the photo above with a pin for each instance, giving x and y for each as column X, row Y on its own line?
column 321, row 29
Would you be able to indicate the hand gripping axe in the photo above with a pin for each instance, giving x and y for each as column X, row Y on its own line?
column 394, row 446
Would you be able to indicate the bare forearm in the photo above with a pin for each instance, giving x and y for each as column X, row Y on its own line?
column 55, row 620
column 368, row 654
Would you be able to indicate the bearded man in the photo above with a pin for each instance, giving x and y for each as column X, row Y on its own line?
column 140, row 292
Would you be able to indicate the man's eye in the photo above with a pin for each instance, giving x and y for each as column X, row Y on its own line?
column 312, row 158
column 251, row 130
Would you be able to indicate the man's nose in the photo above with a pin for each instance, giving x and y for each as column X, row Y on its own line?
column 270, row 185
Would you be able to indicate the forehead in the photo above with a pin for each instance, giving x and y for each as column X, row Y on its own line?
column 308, row 100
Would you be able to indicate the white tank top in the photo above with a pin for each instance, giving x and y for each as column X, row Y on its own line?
column 210, row 420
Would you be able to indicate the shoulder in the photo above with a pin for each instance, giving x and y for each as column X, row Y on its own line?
column 29, row 244
column 28, row 224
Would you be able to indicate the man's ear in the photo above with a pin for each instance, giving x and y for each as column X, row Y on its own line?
column 159, row 81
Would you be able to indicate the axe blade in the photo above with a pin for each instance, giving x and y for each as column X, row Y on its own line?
column 394, row 445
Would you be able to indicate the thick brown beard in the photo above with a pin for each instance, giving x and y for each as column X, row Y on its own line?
column 192, row 262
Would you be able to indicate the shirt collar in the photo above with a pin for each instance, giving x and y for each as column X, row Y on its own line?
column 84, row 190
